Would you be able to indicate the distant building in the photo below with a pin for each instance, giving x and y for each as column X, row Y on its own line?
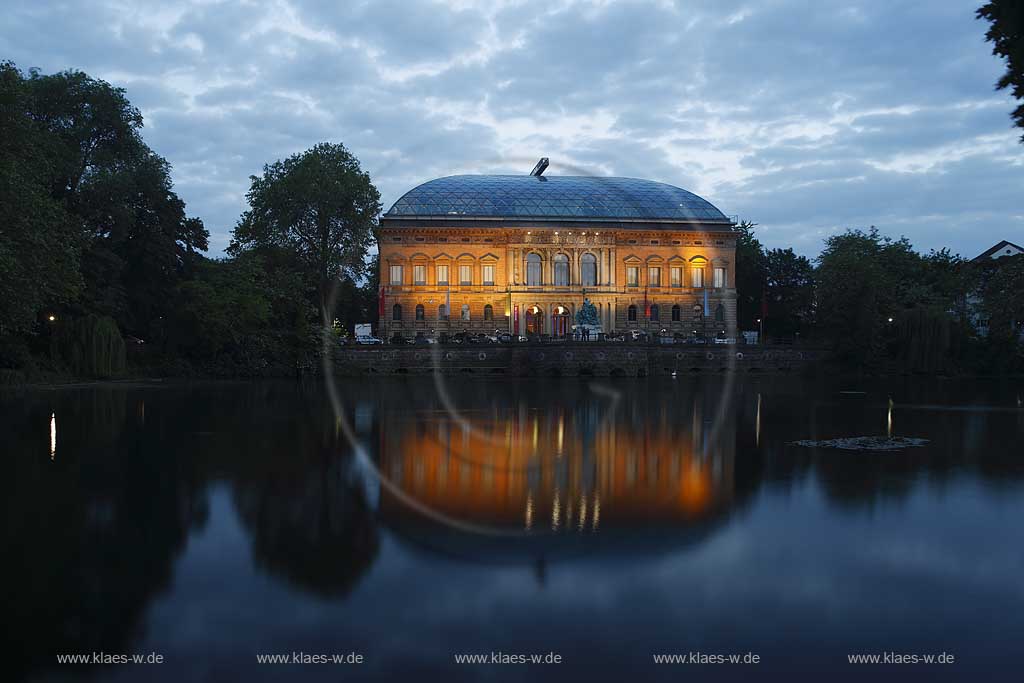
column 480, row 253
column 1000, row 250
column 997, row 251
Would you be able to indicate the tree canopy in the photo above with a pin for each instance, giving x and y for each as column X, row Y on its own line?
column 318, row 204
column 1006, row 33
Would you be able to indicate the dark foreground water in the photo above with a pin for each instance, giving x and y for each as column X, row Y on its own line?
column 605, row 522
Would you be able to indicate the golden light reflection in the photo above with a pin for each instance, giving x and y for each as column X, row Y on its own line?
column 555, row 512
column 53, row 436
column 888, row 421
column 757, row 423
column 511, row 468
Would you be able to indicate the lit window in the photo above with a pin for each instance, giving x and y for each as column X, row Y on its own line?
column 698, row 277
column 677, row 277
column 588, row 270
column 442, row 275
column 396, row 275
column 465, row 275
column 561, row 270
column 465, row 311
column 533, row 270
column 719, row 277
column 419, row 275
column 632, row 276
column 654, row 276
column 488, row 273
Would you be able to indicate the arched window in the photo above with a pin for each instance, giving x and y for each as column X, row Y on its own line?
column 631, row 313
column 720, row 314
column 488, row 312
column 655, row 312
column 396, row 312
column 676, row 313
column 561, row 262
column 421, row 313
column 442, row 312
column 588, row 270
column 533, row 270
column 465, row 311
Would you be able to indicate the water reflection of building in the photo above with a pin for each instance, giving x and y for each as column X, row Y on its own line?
column 563, row 469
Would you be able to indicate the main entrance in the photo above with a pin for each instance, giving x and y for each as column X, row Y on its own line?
column 534, row 320
column 560, row 321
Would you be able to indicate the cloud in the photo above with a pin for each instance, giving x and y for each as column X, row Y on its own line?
column 806, row 118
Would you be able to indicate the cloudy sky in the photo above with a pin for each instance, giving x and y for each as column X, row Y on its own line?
column 805, row 117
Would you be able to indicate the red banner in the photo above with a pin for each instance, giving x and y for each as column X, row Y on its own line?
column 515, row 319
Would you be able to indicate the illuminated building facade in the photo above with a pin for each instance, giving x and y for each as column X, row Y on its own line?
column 480, row 253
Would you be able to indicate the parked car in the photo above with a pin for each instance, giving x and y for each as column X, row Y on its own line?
column 423, row 340
column 697, row 340
column 399, row 339
column 725, row 340
column 368, row 339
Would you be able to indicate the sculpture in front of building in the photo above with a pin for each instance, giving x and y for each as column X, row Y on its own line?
column 588, row 324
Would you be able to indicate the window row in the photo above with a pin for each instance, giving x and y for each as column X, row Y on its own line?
column 675, row 277
column 419, row 275
column 560, row 270
column 654, row 313
column 442, row 312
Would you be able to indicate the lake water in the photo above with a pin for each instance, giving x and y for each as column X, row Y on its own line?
column 602, row 521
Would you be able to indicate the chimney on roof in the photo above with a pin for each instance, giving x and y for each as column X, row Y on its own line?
column 540, row 167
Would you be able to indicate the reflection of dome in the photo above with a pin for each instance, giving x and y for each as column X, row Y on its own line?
column 620, row 544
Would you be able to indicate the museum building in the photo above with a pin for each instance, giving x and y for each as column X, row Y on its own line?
column 486, row 253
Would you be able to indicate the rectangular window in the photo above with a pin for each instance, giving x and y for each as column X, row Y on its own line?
column 698, row 277
column 419, row 275
column 465, row 275
column 654, row 276
column 632, row 276
column 396, row 275
column 719, row 277
column 488, row 273
column 442, row 275
column 677, row 277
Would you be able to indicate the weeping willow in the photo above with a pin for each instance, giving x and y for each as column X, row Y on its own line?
column 92, row 347
column 926, row 338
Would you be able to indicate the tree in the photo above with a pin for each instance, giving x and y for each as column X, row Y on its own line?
column 122, row 215
column 39, row 240
column 318, row 204
column 1003, row 298
column 857, row 291
column 1006, row 34
column 750, row 276
column 789, row 288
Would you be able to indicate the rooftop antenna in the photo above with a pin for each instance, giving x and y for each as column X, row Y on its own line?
column 540, row 167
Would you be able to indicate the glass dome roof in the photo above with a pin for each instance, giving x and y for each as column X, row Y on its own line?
column 553, row 198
